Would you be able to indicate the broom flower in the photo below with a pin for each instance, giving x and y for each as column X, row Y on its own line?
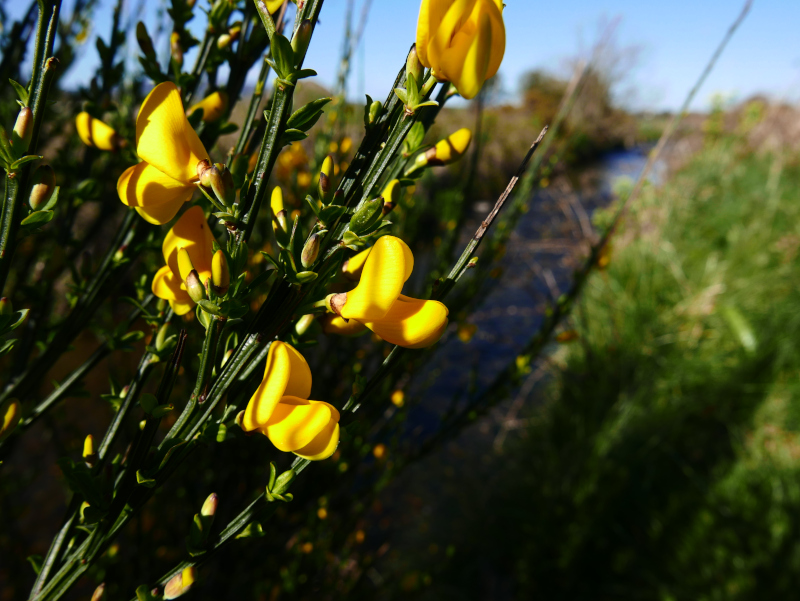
column 214, row 106
column 170, row 151
column 188, row 253
column 94, row 132
column 280, row 408
column 462, row 41
column 377, row 302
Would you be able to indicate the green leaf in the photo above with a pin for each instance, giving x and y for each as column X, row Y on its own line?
column 21, row 90
column 307, row 116
column 24, row 160
column 53, row 200
column 209, row 307
column 305, row 277
column 36, row 562
column 227, row 128
column 292, row 135
column 80, row 480
column 331, row 213
column 36, row 220
column 144, row 480
column 304, row 73
column 402, row 95
column 252, row 530
column 7, row 346
column 283, row 55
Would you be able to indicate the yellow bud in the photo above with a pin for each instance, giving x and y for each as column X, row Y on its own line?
column 180, row 584
column 398, row 398
column 88, row 446
column 94, row 132
column 23, row 130
column 220, row 275
column 276, row 202
column 325, row 175
column 194, row 287
column 185, row 266
column 42, row 187
column 11, row 417
column 391, row 196
column 99, row 593
column 445, row 152
column 214, row 106
column 175, row 48
column 210, row 506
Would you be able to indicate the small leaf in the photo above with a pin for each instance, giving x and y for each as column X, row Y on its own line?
column 283, row 55
column 331, row 213
column 307, row 116
column 36, row 561
column 24, row 160
column 209, row 307
column 402, row 95
column 36, row 219
column 21, row 90
column 144, row 480
column 292, row 135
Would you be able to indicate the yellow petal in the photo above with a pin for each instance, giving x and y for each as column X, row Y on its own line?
column 276, row 201
column 274, row 5
column 94, row 132
column 385, row 271
column 475, row 67
column 190, row 232
column 355, row 264
column 286, row 372
column 156, row 196
column 431, row 13
column 214, row 106
column 164, row 137
column 412, row 323
column 325, row 443
column 296, row 422
column 168, row 287
column 334, row 324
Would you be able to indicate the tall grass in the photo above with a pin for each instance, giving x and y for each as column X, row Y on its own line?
column 664, row 462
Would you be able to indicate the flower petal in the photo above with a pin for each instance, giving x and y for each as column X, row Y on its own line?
column 412, row 323
column 94, row 132
column 324, row 444
column 385, row 271
column 431, row 13
column 286, row 370
column 168, row 287
column 333, row 324
column 213, row 105
column 296, row 422
column 157, row 197
column 192, row 233
column 164, row 137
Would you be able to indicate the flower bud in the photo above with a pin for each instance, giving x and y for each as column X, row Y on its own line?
column 194, row 287
column 99, row 593
column 220, row 274
column 303, row 324
column 375, row 110
column 210, row 505
column 202, row 168
column 180, row 584
column 145, row 42
column 325, row 175
column 6, row 308
column 224, row 41
column 23, row 130
column 283, row 482
column 175, row 48
column 214, row 106
column 445, row 152
column 11, row 416
column 391, row 196
column 163, row 334
column 301, row 40
column 367, row 216
column 219, row 179
column 310, row 251
column 279, row 223
column 88, row 450
column 185, row 266
column 414, row 67
column 42, row 187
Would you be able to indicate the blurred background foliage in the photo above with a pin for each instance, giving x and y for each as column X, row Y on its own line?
column 652, row 453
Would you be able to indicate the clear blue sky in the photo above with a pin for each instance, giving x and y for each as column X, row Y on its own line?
column 674, row 40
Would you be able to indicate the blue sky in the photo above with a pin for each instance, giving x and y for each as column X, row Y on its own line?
column 674, row 39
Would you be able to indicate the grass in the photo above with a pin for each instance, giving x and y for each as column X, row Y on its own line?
column 664, row 463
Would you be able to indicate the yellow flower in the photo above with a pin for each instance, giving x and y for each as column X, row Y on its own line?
column 280, row 408
column 274, row 5
column 192, row 234
column 377, row 301
column 462, row 41
column 352, row 267
column 333, row 324
column 94, row 132
column 170, row 151
column 213, row 105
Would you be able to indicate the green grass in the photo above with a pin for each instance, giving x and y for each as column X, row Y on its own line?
column 665, row 462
